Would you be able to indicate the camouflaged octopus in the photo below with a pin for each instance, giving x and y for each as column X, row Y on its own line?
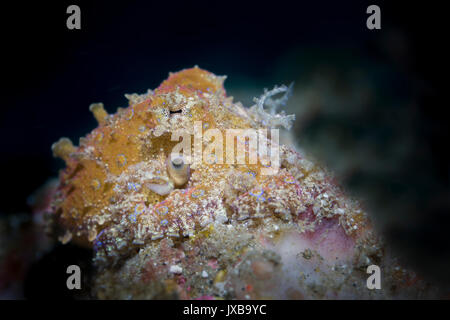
column 123, row 195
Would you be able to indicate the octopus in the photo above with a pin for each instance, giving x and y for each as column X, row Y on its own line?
column 161, row 225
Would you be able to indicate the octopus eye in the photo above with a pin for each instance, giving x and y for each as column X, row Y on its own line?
column 178, row 169
column 178, row 163
column 175, row 109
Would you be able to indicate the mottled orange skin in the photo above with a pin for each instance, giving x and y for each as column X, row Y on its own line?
column 118, row 143
column 193, row 80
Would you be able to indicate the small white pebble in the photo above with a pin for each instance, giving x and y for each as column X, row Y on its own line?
column 175, row 269
column 204, row 274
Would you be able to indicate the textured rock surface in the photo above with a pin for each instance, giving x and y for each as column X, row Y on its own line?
column 216, row 230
